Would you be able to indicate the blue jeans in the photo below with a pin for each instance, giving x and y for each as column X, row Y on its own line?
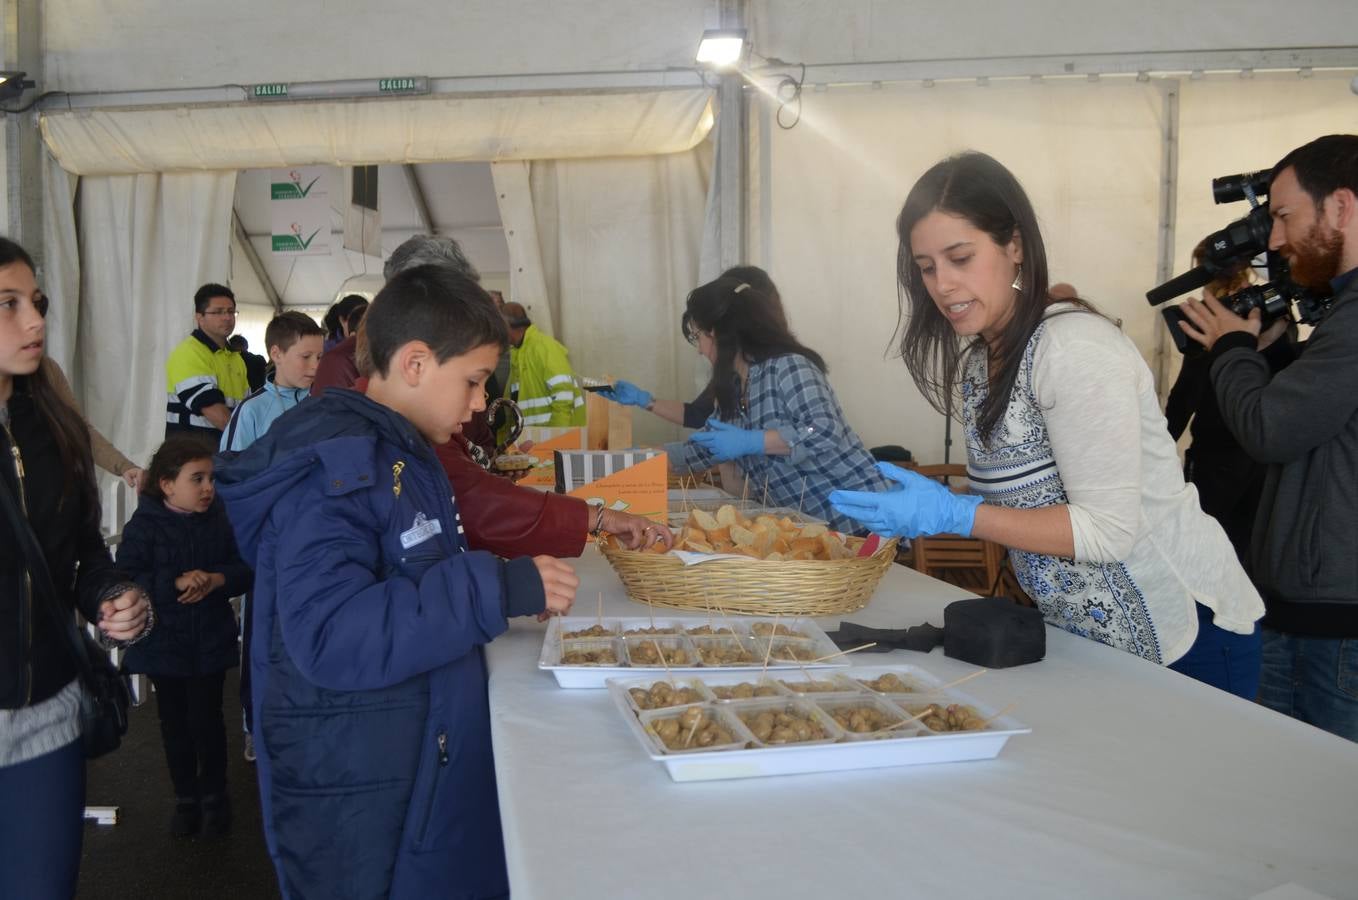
column 1222, row 658
column 1312, row 679
column 42, row 822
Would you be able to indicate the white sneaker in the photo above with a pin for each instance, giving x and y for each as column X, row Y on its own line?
column 249, row 747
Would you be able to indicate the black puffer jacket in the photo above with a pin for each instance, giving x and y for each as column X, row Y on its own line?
column 35, row 657
column 158, row 546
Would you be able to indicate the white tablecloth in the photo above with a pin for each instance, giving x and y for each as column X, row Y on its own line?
column 1135, row 782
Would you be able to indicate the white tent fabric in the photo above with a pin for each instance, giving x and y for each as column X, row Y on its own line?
column 60, row 278
column 527, row 282
column 147, row 243
column 619, row 241
column 1088, row 155
column 261, row 135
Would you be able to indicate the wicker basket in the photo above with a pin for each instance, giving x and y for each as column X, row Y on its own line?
column 751, row 586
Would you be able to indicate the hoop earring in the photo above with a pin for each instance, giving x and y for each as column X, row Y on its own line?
column 1018, row 279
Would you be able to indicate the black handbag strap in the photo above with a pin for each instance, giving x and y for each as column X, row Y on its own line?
column 42, row 578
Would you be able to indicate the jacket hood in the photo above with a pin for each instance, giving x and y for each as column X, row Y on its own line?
column 340, row 429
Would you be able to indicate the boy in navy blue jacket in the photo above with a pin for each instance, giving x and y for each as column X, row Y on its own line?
column 371, row 716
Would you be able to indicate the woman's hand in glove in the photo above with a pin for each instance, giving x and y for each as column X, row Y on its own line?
column 916, row 506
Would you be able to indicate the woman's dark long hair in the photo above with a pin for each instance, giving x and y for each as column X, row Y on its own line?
column 68, row 429
column 982, row 191
column 745, row 317
column 341, row 313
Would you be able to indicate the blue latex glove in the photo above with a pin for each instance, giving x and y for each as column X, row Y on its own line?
column 727, row 442
column 628, row 394
column 916, row 506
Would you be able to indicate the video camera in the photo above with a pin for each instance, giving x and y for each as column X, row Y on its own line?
column 1233, row 246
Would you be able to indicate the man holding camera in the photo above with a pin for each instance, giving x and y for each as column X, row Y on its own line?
column 1303, row 423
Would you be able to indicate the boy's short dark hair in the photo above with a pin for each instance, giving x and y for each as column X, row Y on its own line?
column 286, row 329
column 204, row 295
column 1323, row 166
column 435, row 304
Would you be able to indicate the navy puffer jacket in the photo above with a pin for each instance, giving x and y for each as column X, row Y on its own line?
column 158, row 546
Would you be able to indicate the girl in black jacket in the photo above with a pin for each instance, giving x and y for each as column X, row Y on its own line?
column 179, row 547
column 47, row 473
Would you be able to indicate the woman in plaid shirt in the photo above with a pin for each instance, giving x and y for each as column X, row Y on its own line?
column 776, row 416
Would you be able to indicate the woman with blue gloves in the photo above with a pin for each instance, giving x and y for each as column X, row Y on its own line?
column 776, row 416
column 1067, row 451
column 695, row 413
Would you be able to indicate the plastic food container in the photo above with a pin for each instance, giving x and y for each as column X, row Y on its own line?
column 594, row 675
column 916, row 746
column 654, row 723
column 809, row 685
column 852, row 713
column 744, row 684
column 725, row 651
column 660, row 652
column 605, row 652
column 753, row 714
column 692, row 687
column 914, row 679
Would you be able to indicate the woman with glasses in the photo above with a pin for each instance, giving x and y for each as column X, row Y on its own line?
column 776, row 416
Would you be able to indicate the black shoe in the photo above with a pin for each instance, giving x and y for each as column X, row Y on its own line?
column 216, row 816
column 187, row 818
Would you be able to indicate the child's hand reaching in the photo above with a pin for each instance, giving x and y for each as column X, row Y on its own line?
column 559, row 582
column 196, row 584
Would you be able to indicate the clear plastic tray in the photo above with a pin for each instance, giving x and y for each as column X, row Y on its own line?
column 893, row 723
column 809, row 685
column 725, row 652
column 595, row 676
column 660, row 652
column 916, row 680
column 748, row 712
column 647, row 684
column 651, row 720
column 714, row 681
column 919, row 746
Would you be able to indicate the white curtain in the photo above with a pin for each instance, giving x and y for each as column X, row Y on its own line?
column 618, row 241
column 147, row 243
column 60, row 278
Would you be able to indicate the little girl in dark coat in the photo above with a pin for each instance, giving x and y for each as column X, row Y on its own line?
column 180, row 548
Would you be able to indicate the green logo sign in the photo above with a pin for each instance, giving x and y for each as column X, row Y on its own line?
column 278, row 89
column 293, row 243
column 397, row 85
column 291, row 190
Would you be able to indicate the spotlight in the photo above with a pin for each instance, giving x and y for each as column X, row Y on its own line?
column 721, row 48
column 12, row 84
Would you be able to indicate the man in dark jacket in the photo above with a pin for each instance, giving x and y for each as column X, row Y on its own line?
column 370, row 615
column 1303, row 422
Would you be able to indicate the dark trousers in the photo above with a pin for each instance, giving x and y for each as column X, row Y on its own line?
column 42, row 809
column 193, row 732
column 1222, row 658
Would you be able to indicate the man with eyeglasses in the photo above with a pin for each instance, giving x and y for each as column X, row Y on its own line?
column 204, row 379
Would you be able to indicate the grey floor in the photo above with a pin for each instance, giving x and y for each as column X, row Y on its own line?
column 138, row 857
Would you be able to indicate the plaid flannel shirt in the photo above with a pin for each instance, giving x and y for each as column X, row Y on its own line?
column 788, row 394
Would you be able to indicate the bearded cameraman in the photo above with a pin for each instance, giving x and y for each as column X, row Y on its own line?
column 1303, row 423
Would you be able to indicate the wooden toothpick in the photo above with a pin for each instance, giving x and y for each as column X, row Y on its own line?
column 669, row 676
column 843, row 652
column 601, row 610
column 1004, row 712
column 965, row 678
column 769, row 650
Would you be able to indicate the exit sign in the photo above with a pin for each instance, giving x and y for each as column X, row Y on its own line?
column 403, row 85
column 269, row 91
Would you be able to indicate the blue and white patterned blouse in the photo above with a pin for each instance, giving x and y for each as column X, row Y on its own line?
column 788, row 394
column 1083, row 429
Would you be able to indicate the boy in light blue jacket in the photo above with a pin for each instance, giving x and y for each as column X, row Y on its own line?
column 294, row 344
